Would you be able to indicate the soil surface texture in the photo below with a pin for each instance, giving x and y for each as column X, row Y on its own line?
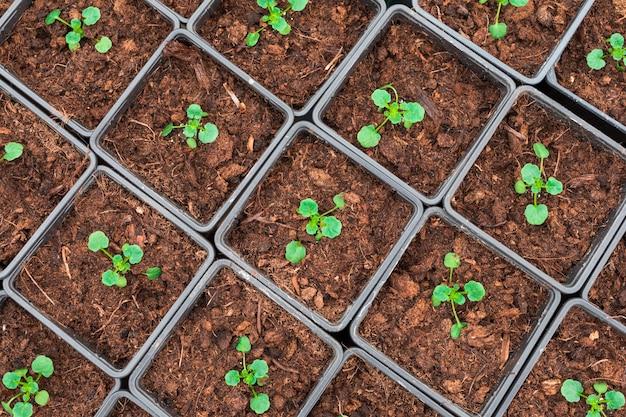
column 609, row 290
column 126, row 408
column 185, row 8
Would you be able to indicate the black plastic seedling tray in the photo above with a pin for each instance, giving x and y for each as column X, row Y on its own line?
column 111, row 401
column 579, row 274
column 187, row 307
column 515, row 363
column 65, row 333
column 463, row 53
column 224, row 246
column 80, row 147
column 135, row 89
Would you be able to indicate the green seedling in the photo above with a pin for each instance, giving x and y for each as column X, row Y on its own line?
column 598, row 403
column 395, row 111
column 456, row 293
column 28, row 387
column 90, row 16
column 534, row 179
column 253, row 374
column 319, row 225
column 498, row 30
column 12, row 151
column 193, row 130
column 595, row 58
column 275, row 18
column 122, row 263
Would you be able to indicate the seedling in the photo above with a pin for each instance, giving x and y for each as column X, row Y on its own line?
column 319, row 225
column 456, row 293
column 275, row 18
column 253, row 374
column 12, row 151
column 90, row 16
column 599, row 402
column 131, row 255
column 28, row 386
column 395, row 111
column 498, row 30
column 194, row 129
column 534, row 179
column 595, row 58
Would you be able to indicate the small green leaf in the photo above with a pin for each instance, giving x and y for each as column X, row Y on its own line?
column 518, row 3
column 554, row 186
column 153, row 272
column 110, row 278
column 536, row 215
column 42, row 397
column 190, row 131
column 263, row 3
column 393, row 113
column 91, row 15
column 595, row 59
column 295, row 252
column 475, row 290
column 498, row 30
column 167, row 130
column 260, row 368
column 195, row 112
column 368, row 136
column 593, row 413
column 76, row 25
column 73, row 38
column 616, row 40
column 600, row 387
column 260, row 403
column 104, row 45
column 11, row 380
column 339, row 201
column 456, row 329
column 43, row 365
column 97, row 240
column 457, row 298
column 571, row 390
column 7, row 408
column 281, row 26
column 614, row 400
column 520, row 187
column 52, row 16
column 298, row 5
column 541, row 151
column 413, row 112
column 22, row 410
column 381, row 98
column 441, row 294
column 452, row 260
column 191, row 143
column 330, row 226
column 209, row 133
column 134, row 253
column 252, row 39
column 232, row 378
column 530, row 174
column 308, row 207
column 312, row 227
column 12, row 151
column 243, row 344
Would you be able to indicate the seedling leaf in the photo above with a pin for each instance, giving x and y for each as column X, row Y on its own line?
column 232, row 378
column 43, row 365
column 91, row 15
column 452, row 260
column 243, row 344
column 295, row 252
column 104, row 45
column 368, row 136
column 614, row 400
column 260, row 403
column 97, row 241
column 475, row 291
column 308, row 207
column 572, row 390
column 536, row 215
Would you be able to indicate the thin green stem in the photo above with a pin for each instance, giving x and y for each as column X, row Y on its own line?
column 106, row 252
column 380, row 126
column 64, row 22
column 456, row 316
column 535, row 198
column 450, row 276
column 498, row 12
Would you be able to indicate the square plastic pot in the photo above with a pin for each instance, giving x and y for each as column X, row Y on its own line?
column 228, row 223
column 515, row 363
column 136, row 88
column 65, row 333
column 182, row 19
column 370, row 360
column 534, row 358
column 111, row 401
column 80, row 147
column 9, row 20
column 188, row 306
column 581, row 272
column 208, row 6
column 540, row 75
column 104, row 408
column 463, row 53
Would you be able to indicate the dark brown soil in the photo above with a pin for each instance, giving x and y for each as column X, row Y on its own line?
column 185, row 8
column 592, row 178
column 404, row 326
column 605, row 88
column 609, row 290
column 76, row 388
column 362, row 391
column 533, row 30
column 293, row 67
column 457, row 100
column 126, row 408
column 85, row 84
column 584, row 349
column 197, row 180
column 31, row 186
column 187, row 376
column 114, row 322
column 334, row 271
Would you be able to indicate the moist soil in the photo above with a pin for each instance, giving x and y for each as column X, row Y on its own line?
column 62, row 278
column 533, row 30
column 605, row 88
column 77, row 388
column 403, row 325
column 187, row 376
column 294, row 66
column 184, row 8
column 458, row 103
column 609, row 290
column 335, row 271
column 360, row 390
column 592, row 178
column 32, row 185
column 198, row 180
column 126, row 408
column 83, row 85
column 584, row 349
